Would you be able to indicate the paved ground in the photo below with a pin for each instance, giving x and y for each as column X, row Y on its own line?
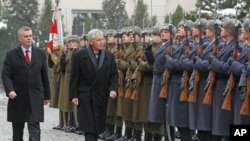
column 48, row 134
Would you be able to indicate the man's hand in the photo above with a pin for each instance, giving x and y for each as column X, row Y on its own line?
column 46, row 102
column 112, row 94
column 127, row 82
column 149, row 46
column 211, row 58
column 167, row 56
column 230, row 61
column 75, row 101
column 191, row 86
column 134, row 84
column 195, row 59
column 12, row 95
column 242, row 92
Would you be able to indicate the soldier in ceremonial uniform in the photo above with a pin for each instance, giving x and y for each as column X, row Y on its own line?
column 64, row 104
column 154, row 129
column 140, row 94
column 223, row 118
column 200, row 42
column 134, row 35
column 128, row 65
column 124, row 108
column 113, row 122
column 201, row 64
column 53, row 62
column 177, row 111
column 83, row 41
column 157, row 105
column 241, row 67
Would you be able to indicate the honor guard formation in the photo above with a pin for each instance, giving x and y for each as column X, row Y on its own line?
column 186, row 82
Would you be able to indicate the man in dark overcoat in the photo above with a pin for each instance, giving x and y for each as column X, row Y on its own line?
column 94, row 78
column 26, row 83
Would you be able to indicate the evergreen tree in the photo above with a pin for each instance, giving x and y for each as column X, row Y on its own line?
column 116, row 15
column 141, row 17
column 44, row 24
column 176, row 17
column 21, row 13
column 1, row 10
column 92, row 22
column 4, row 45
column 213, row 5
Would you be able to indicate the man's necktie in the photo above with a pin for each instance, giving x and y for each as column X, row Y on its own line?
column 27, row 57
column 96, row 55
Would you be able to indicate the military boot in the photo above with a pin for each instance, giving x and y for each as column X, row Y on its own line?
column 69, row 122
column 136, row 136
column 60, row 125
column 110, row 132
column 116, row 135
column 127, row 135
column 148, row 136
column 157, row 137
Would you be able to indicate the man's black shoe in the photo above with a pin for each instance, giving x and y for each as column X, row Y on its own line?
column 105, row 134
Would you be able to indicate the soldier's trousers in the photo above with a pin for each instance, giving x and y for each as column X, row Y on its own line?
column 156, row 128
column 110, row 120
column 118, row 121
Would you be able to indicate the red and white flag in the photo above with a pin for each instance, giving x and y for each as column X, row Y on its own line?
column 56, row 33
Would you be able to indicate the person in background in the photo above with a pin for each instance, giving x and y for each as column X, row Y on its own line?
column 83, row 41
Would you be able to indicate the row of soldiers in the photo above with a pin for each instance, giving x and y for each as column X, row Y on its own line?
column 60, row 63
column 193, row 77
column 170, row 78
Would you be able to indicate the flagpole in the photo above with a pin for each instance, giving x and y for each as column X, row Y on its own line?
column 55, row 44
column 57, row 3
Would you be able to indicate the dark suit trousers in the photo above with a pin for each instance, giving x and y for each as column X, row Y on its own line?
column 91, row 137
column 33, row 128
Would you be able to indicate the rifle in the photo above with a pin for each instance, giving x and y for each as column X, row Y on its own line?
column 130, row 86
column 138, row 74
column 167, row 73
column 193, row 94
column 245, row 106
column 135, row 93
column 120, row 55
column 184, row 91
column 212, row 75
column 231, row 82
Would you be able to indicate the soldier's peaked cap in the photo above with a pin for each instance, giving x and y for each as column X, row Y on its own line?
column 167, row 27
column 146, row 31
column 135, row 30
column 202, row 22
column 246, row 25
column 188, row 23
column 155, row 30
column 84, row 36
column 111, row 32
column 74, row 38
column 229, row 25
column 211, row 23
